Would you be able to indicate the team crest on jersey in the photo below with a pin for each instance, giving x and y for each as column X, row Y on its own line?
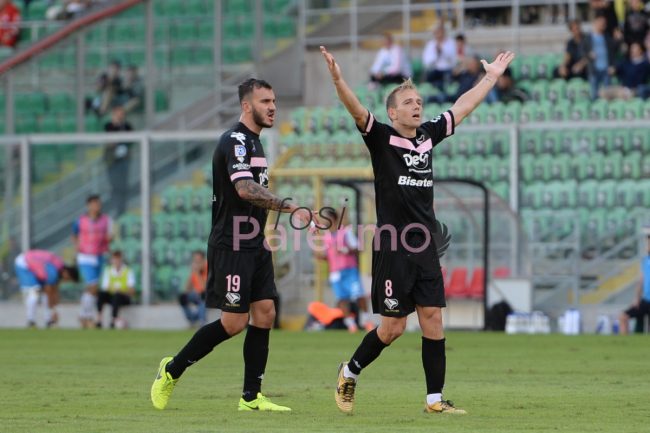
column 391, row 303
column 435, row 119
column 420, row 139
column 240, row 151
column 233, row 298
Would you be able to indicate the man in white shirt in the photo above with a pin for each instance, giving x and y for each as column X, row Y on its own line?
column 391, row 65
column 439, row 58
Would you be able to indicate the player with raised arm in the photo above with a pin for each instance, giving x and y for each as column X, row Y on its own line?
column 406, row 273
column 240, row 271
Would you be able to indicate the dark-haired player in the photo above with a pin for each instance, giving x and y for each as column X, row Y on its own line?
column 406, row 273
column 240, row 271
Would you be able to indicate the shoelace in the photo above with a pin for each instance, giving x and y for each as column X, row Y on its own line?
column 447, row 403
column 348, row 390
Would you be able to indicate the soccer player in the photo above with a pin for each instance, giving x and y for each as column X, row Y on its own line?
column 240, row 270
column 40, row 271
column 341, row 250
column 406, row 273
column 92, row 235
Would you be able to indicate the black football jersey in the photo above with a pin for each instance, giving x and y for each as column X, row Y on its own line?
column 403, row 171
column 239, row 155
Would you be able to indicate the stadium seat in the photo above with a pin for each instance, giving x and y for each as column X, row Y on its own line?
column 501, row 272
column 476, row 288
column 457, row 283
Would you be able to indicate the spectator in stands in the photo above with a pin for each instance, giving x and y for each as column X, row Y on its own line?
column 463, row 51
column 341, row 250
column 117, row 157
column 108, row 88
column 391, row 65
column 470, row 74
column 117, row 289
column 633, row 75
column 92, row 235
column 636, row 23
column 439, row 58
column 505, row 90
column 133, row 91
column 39, row 272
column 602, row 56
column 9, row 24
column 67, row 9
column 576, row 55
column 195, row 290
column 640, row 310
column 605, row 9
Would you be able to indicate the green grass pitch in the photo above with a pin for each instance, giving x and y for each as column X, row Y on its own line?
column 98, row 381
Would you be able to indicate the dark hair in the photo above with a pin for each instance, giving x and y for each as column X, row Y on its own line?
column 116, row 63
column 199, row 252
column 92, row 197
column 247, row 87
column 73, row 272
column 116, row 253
column 460, row 37
column 573, row 22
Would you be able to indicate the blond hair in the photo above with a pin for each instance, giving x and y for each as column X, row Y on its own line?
column 406, row 85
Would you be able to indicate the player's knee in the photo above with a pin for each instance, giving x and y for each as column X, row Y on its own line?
column 391, row 330
column 234, row 325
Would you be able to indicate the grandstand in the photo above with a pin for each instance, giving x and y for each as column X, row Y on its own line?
column 568, row 178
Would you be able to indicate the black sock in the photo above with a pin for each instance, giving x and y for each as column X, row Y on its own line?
column 256, row 353
column 434, row 362
column 369, row 349
column 202, row 343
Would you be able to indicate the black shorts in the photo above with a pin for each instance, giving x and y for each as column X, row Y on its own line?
column 238, row 278
column 400, row 281
column 639, row 312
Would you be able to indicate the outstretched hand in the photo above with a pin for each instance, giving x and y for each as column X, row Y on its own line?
column 499, row 65
column 335, row 70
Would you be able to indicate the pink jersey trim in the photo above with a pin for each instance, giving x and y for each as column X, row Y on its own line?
column 241, row 174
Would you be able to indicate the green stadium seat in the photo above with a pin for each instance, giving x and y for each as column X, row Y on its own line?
column 557, row 90
column 631, row 165
column 579, row 111
column 605, row 194
column 538, row 90
column 625, row 193
column 511, row 112
column 49, row 124
column 612, row 166
column 184, row 32
column 598, row 110
column 561, row 111
column 587, row 193
column 560, row 168
column 578, row 90
column 639, row 141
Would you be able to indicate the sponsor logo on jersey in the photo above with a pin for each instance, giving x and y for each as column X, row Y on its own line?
column 417, row 161
column 409, row 181
column 435, row 119
column 391, row 303
column 233, row 298
column 240, row 150
column 241, row 166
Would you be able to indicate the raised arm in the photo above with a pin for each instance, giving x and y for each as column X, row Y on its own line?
column 469, row 100
column 346, row 95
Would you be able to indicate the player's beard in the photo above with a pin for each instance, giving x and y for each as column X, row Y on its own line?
column 260, row 121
